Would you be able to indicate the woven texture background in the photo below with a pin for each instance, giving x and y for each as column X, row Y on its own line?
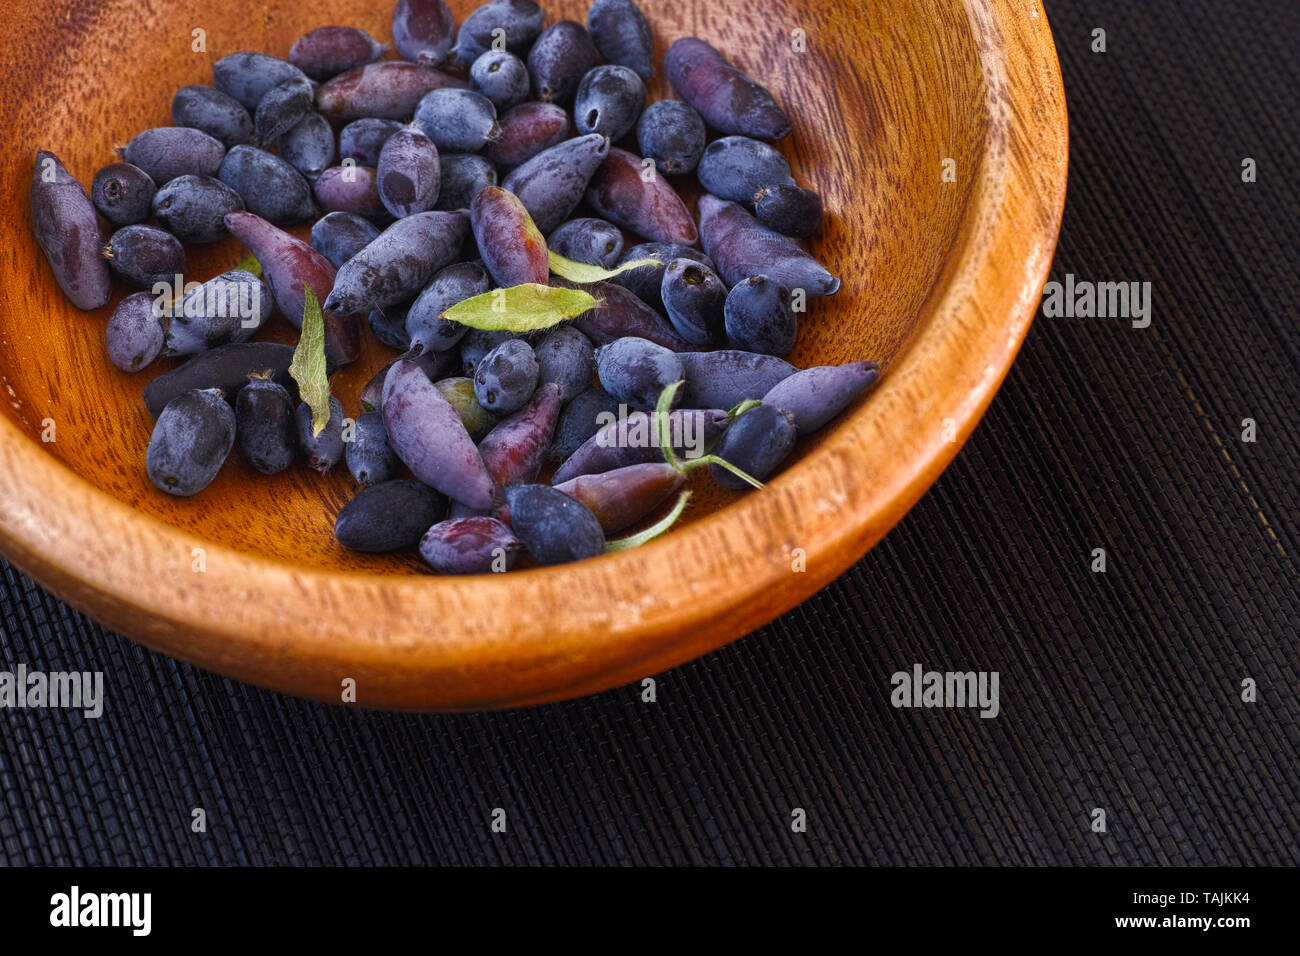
column 1120, row 691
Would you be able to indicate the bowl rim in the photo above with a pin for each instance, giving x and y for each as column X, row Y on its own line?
column 243, row 615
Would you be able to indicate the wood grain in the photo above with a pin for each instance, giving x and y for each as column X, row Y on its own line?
column 941, row 280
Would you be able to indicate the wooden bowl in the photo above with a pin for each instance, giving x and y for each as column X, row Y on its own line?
column 935, row 130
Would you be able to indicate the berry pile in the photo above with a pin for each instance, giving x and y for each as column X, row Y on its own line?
column 499, row 207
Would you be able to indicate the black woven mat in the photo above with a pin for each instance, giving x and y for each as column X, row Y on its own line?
column 1119, row 691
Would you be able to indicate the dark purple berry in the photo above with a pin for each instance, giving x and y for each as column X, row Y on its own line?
column 268, row 433
column 218, row 114
column 553, row 527
column 123, row 194
column 673, row 135
column 339, row 236
column 325, row 450
column 623, row 35
column 68, row 232
column 558, row 61
column 506, row 377
column 757, row 443
column 190, row 442
column 136, row 331
column 389, row 516
column 194, row 208
column 609, row 101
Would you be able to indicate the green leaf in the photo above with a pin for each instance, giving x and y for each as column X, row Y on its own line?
column 652, row 532
column 742, row 408
column 308, row 365
column 522, row 308
column 250, row 264
column 584, row 274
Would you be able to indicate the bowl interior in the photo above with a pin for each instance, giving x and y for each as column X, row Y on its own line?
column 883, row 94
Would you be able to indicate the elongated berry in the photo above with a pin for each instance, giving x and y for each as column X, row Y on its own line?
column 694, row 298
column 634, row 438
column 390, row 89
column 68, row 233
column 246, row 76
column 738, row 169
column 593, row 241
column 757, row 443
column 727, row 377
column 760, row 316
column 506, row 377
column 514, row 450
column 502, row 77
column 136, row 331
column 339, row 236
column 268, row 430
column 145, row 256
column 226, row 369
column 429, row 437
column 325, row 450
column 474, row 545
column 553, row 527
column 123, row 194
column 281, row 109
column 218, row 114
column 287, row 263
column 366, row 450
column 170, row 151
column 526, row 130
column 408, row 174
column 190, row 442
column 329, row 51
column 351, row 189
column 269, row 186
column 512, row 247
column 672, row 134
column 464, row 175
column 399, row 263
column 622, row 497
column 309, row 146
column 558, row 61
column 228, row 308
column 623, row 35
column 423, row 30
column 194, row 208
column 362, row 139
column 730, row 101
column 742, row 247
column 814, row 396
column 425, row 328
column 620, row 193
column 552, row 183
column 609, row 101
column 389, row 516
column 458, row 121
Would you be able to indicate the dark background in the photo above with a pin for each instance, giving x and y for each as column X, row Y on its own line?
column 1120, row 691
